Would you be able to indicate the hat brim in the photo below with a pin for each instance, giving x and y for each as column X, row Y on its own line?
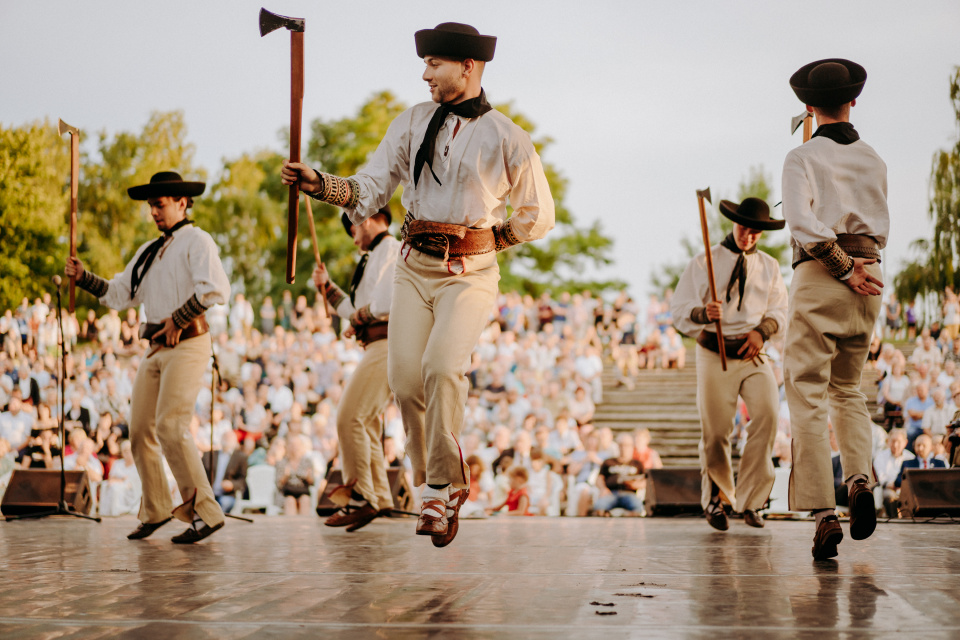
column 449, row 44
column 751, row 223
column 829, row 97
column 177, row 189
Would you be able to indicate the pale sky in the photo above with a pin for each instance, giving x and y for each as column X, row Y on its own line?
column 646, row 101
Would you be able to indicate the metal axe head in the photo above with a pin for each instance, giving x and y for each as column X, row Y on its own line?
column 63, row 127
column 273, row 21
column 705, row 194
column 796, row 121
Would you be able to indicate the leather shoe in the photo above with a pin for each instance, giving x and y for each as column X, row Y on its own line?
column 716, row 515
column 429, row 524
column 752, row 518
column 825, row 540
column 863, row 511
column 453, row 521
column 350, row 515
column 193, row 534
column 363, row 516
column 146, row 528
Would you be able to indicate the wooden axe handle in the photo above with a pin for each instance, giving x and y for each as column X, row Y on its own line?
column 74, row 189
column 713, row 284
column 296, row 115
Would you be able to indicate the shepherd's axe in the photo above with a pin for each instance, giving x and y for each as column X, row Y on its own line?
column 63, row 127
column 805, row 118
column 271, row 22
column 704, row 194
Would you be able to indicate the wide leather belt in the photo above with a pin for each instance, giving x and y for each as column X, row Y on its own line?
column 708, row 340
column 196, row 328
column 856, row 246
column 446, row 241
column 370, row 333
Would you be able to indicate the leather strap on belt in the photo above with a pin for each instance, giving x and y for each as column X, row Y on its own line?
column 855, row 245
column 446, row 241
column 708, row 340
column 196, row 328
column 370, row 333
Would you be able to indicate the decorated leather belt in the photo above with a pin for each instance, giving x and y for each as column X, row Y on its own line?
column 708, row 340
column 196, row 328
column 855, row 245
column 370, row 333
column 446, row 241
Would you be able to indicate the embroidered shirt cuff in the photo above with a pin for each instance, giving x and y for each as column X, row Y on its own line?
column 334, row 295
column 340, row 192
column 767, row 327
column 699, row 315
column 362, row 317
column 847, row 275
column 190, row 311
column 504, row 237
column 93, row 283
column 833, row 258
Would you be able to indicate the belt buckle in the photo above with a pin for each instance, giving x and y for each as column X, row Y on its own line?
column 457, row 271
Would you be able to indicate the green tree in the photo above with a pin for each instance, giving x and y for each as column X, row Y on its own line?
column 756, row 184
column 34, row 209
column 937, row 261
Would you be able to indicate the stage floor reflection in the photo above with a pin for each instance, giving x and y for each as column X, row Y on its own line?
column 502, row 578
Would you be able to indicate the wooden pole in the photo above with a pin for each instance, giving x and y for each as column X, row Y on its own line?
column 807, row 127
column 313, row 229
column 296, row 114
column 713, row 284
column 74, row 189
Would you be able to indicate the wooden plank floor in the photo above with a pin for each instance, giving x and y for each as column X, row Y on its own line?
column 502, row 578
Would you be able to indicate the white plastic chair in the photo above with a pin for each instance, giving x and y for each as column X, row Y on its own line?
column 261, row 484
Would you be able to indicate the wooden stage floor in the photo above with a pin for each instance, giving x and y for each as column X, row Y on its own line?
column 504, row 577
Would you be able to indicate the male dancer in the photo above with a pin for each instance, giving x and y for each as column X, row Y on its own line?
column 753, row 310
column 835, row 201
column 365, row 493
column 476, row 159
column 176, row 277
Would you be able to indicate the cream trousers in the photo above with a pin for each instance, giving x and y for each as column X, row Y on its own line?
column 828, row 335
column 360, row 430
column 164, row 393
column 717, row 392
column 436, row 318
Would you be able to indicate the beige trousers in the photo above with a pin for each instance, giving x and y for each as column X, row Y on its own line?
column 828, row 335
column 359, row 428
column 164, row 394
column 717, row 392
column 436, row 318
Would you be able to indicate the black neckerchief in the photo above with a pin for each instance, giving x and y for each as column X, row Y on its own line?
column 473, row 108
column 839, row 132
column 146, row 258
column 739, row 274
column 358, row 272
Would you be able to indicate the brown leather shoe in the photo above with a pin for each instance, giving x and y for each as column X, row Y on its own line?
column 716, row 515
column 364, row 516
column 428, row 524
column 863, row 511
column 146, row 529
column 453, row 521
column 752, row 518
column 349, row 516
column 825, row 540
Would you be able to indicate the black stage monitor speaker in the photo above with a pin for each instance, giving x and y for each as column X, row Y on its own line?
column 399, row 488
column 673, row 491
column 927, row 493
column 36, row 490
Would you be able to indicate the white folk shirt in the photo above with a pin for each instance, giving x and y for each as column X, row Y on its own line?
column 831, row 188
column 189, row 264
column 764, row 296
column 490, row 161
column 376, row 285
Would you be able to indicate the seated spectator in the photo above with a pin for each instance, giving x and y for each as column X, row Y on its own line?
column 927, row 351
column 481, row 489
column 887, row 467
column 581, row 408
column 106, row 440
column 295, row 477
column 84, row 457
column 650, row 351
column 42, row 450
column 642, row 453
column 564, row 439
column 229, row 465
column 517, row 502
column 923, row 446
column 16, row 422
column 672, row 351
column 937, row 417
column 620, row 479
column 543, row 486
column 90, row 330
column 894, row 391
column 498, row 448
column 120, row 495
column 915, row 406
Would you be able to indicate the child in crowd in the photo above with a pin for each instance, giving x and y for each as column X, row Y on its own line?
column 518, row 499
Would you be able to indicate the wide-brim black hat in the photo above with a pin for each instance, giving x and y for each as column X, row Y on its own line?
column 828, row 83
column 348, row 226
column 455, row 40
column 166, row 183
column 752, row 213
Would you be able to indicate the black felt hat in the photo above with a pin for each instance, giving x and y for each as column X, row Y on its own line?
column 752, row 213
column 455, row 40
column 166, row 183
column 828, row 83
column 347, row 225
